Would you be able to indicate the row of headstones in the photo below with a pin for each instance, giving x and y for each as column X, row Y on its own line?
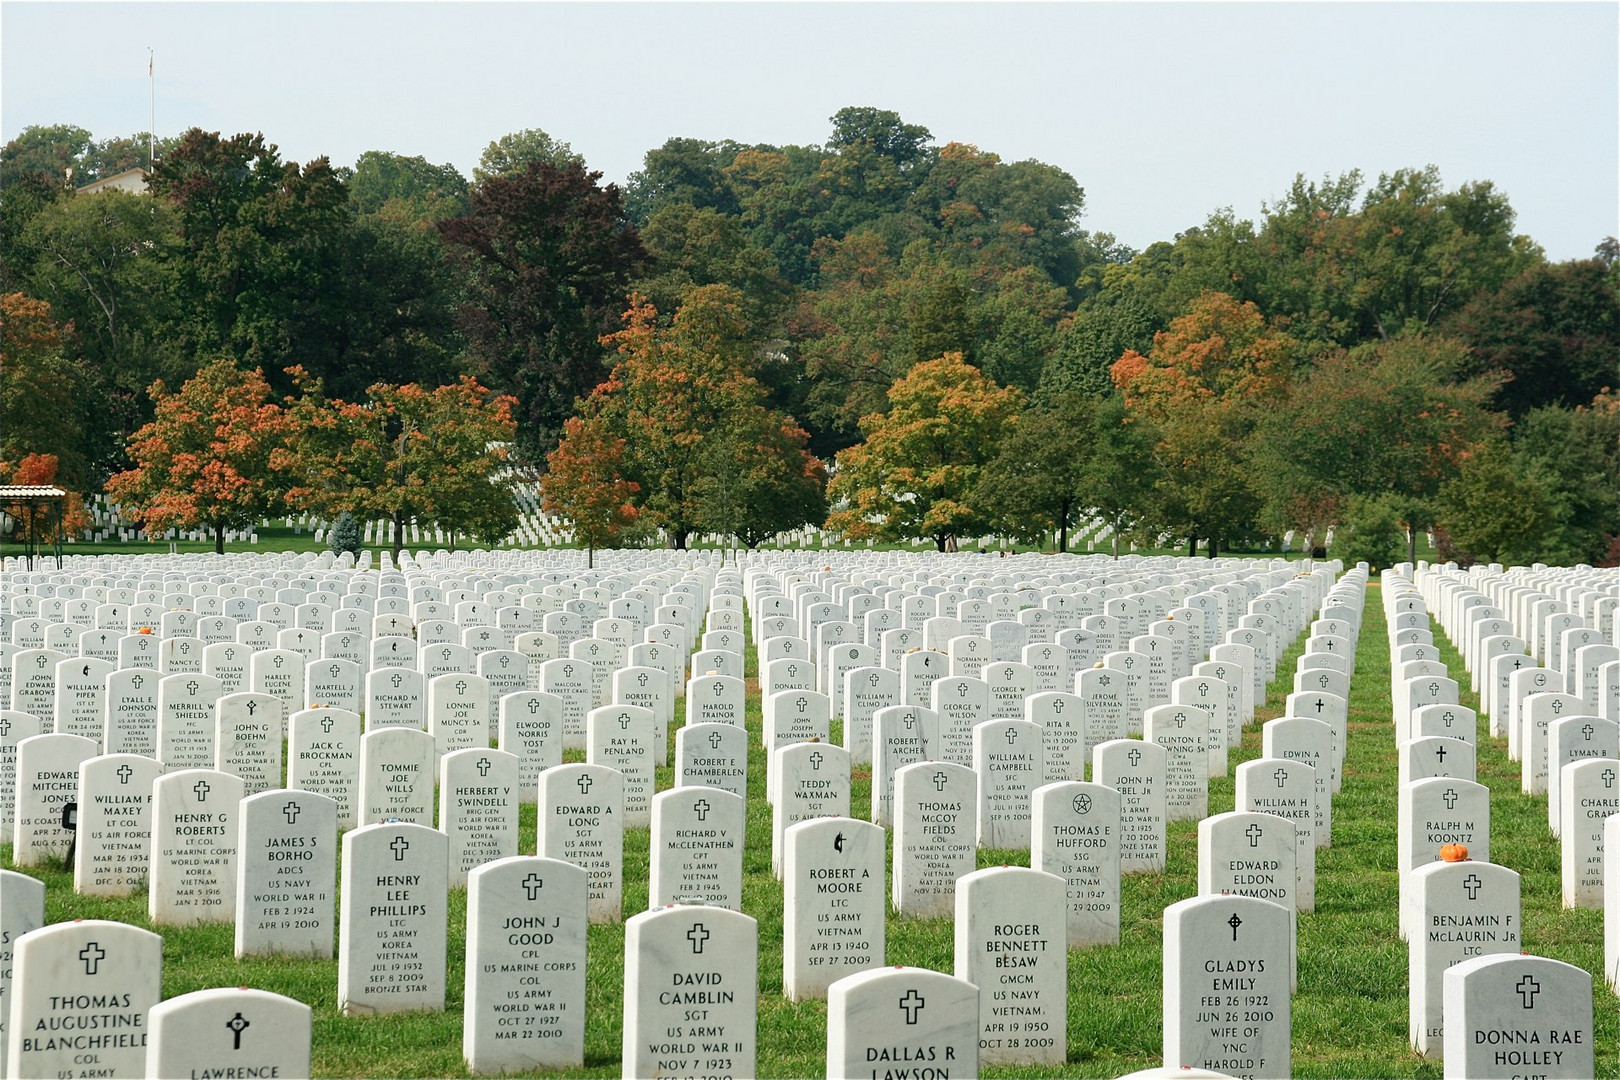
column 1455, row 911
column 467, row 694
column 324, row 741
column 690, row 994
column 1565, row 755
column 1567, row 751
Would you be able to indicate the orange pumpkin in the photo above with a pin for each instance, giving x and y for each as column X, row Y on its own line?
column 1453, row 852
column 144, row 630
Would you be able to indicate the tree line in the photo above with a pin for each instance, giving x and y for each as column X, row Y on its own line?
column 925, row 324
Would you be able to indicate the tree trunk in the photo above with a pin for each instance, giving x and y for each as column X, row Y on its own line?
column 1411, row 544
column 1192, row 545
column 399, row 534
column 219, row 538
column 1214, row 547
column 1115, row 537
column 590, row 556
column 1063, row 530
column 677, row 538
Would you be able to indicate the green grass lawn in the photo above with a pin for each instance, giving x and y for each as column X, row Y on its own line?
column 1349, row 1016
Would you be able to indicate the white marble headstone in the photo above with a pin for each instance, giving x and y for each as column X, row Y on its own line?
column 392, row 920
column 698, row 838
column 833, row 903
column 524, row 998
column 580, row 819
column 1075, row 835
column 680, row 962
column 396, row 776
column 478, row 808
column 1514, row 1016
column 110, row 857
column 1010, row 922
column 231, row 1031
column 89, row 975
column 1227, row 1005
column 902, row 1019
column 935, row 828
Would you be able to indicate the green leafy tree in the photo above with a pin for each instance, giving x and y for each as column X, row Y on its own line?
column 510, row 156
column 1123, row 473
column 1370, row 530
column 1573, row 458
column 693, row 246
column 40, row 382
column 1491, row 512
column 682, row 172
column 1085, row 347
column 1035, row 485
column 408, row 187
column 763, row 480
column 917, row 472
column 45, row 149
column 1077, row 456
column 1391, row 420
column 260, row 272
column 545, row 258
column 1553, row 332
column 106, row 263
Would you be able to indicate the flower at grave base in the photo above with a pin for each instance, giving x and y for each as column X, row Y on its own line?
column 1097, row 664
column 1453, row 852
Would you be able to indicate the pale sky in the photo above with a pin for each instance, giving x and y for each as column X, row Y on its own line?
column 1162, row 111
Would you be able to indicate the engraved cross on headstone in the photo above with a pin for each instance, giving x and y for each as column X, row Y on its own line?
column 532, row 885
column 92, row 955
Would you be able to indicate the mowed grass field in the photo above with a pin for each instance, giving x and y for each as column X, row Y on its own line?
column 1349, row 1016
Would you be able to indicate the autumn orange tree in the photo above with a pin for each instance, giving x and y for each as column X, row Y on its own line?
column 585, row 485
column 406, row 453
column 917, row 473
column 706, row 451
column 1205, row 385
column 40, row 470
column 205, row 459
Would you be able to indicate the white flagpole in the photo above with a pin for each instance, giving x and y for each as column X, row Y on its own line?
column 151, row 135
